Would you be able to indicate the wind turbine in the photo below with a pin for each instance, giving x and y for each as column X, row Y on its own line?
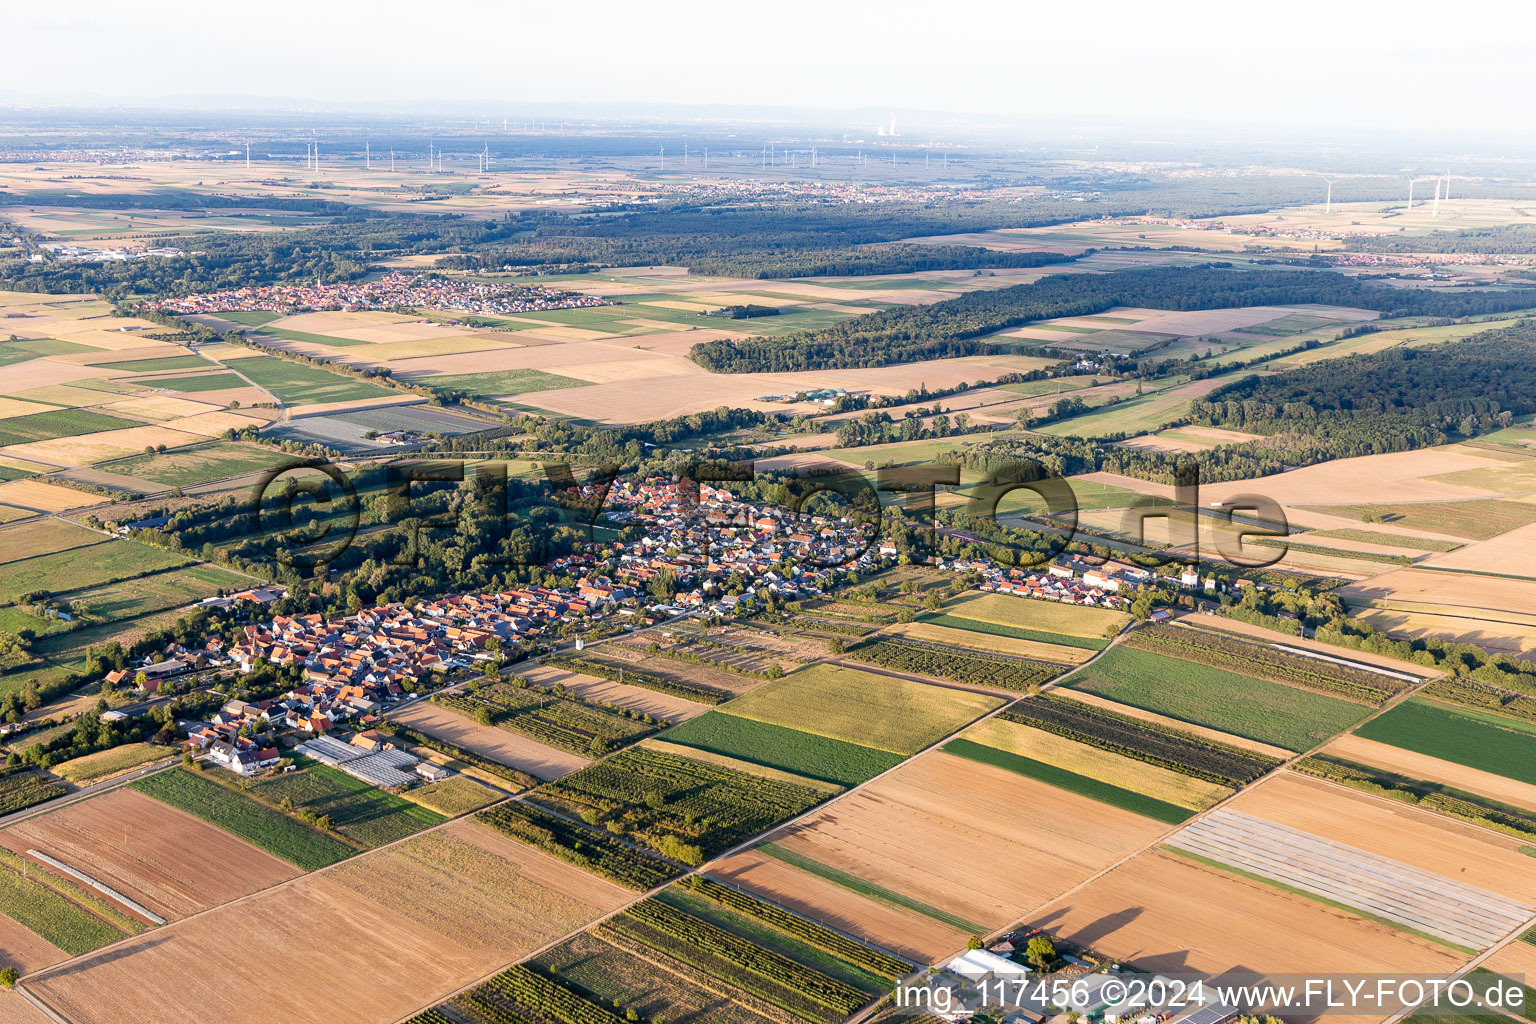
column 391, row 161
column 1328, row 203
column 1410, row 194
column 368, row 155
column 485, row 158
column 429, row 156
column 663, row 157
column 1447, row 184
column 1435, row 210
column 247, row 155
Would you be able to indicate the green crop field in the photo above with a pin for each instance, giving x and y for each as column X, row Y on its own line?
column 1501, row 746
column 1138, row 415
column 301, row 384
column 249, row 819
column 1269, row 712
column 205, row 382
column 776, row 746
column 251, row 317
column 305, row 337
column 866, row 708
column 43, row 537
column 498, row 383
column 28, row 349
column 1072, row 782
column 198, row 464
column 63, row 571
column 453, row 796
column 1031, row 614
column 1390, row 540
column 158, row 365
column 1050, row 386
column 362, row 812
column 45, row 426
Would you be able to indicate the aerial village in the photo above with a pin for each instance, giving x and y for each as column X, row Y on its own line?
column 716, row 552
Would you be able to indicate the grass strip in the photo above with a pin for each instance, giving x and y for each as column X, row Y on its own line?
column 854, row 883
column 1072, row 782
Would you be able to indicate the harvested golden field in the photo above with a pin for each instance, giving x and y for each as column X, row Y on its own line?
column 950, row 833
column 108, row 444
column 1387, row 828
column 1173, row 723
column 1166, row 912
column 41, row 373
column 1125, row 772
column 417, row 920
column 1517, row 959
column 1507, row 633
column 986, row 642
column 10, row 407
column 606, row 691
column 171, row 862
column 906, row 932
column 1513, row 552
column 1421, row 766
column 1446, row 593
column 35, row 494
column 1397, row 476
column 508, row 748
column 157, row 407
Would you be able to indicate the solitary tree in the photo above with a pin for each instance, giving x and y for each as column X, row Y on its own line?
column 1041, row 952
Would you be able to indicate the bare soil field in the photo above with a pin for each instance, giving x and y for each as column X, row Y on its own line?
column 902, row 931
column 418, row 921
column 508, row 748
column 605, row 691
column 1407, row 834
column 1421, row 766
column 1173, row 723
column 25, row 951
column 911, row 832
column 1165, row 912
column 169, row 861
column 1397, row 476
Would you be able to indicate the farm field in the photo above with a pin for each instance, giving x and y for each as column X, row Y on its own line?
column 43, row 537
column 1416, row 837
column 970, row 668
column 139, row 847
column 902, row 930
column 907, row 833
column 198, row 464
column 622, row 977
column 783, row 748
column 499, row 745
column 1473, row 520
column 363, row 813
column 1093, row 762
column 453, row 796
column 64, row 571
column 1422, row 902
column 1167, row 912
column 105, row 763
column 420, row 919
column 244, row 817
column 1499, row 746
column 1042, row 616
column 676, row 806
column 26, row 951
column 35, row 899
column 862, row 707
column 644, row 701
column 1073, row 782
column 938, row 630
column 1268, row 712
column 1409, row 764
column 299, row 384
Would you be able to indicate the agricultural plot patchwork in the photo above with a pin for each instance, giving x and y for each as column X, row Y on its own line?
column 561, row 721
column 783, row 748
column 486, row 743
column 942, row 661
column 299, row 384
column 1484, row 742
column 356, row 810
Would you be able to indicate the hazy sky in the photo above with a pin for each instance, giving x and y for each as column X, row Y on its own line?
column 1363, row 65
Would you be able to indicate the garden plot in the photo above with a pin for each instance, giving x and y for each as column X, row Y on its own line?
column 1419, row 900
